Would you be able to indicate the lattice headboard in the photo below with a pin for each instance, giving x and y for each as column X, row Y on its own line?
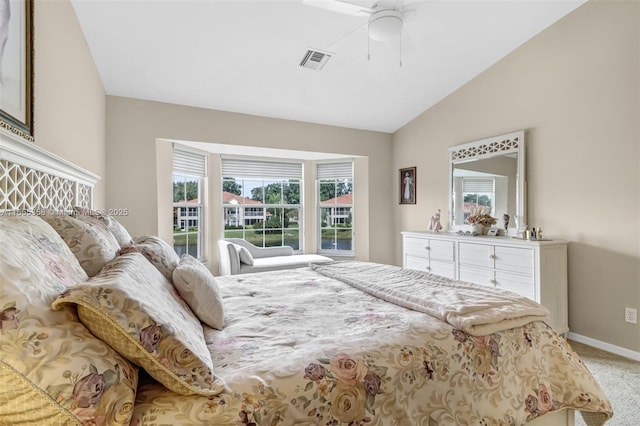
column 32, row 178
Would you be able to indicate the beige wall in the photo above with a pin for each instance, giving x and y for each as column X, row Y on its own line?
column 575, row 90
column 69, row 99
column 134, row 153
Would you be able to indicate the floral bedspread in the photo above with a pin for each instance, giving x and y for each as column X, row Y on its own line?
column 299, row 348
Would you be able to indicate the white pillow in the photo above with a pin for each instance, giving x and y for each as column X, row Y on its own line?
column 244, row 255
column 199, row 288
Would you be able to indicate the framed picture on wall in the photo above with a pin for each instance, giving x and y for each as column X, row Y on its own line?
column 408, row 185
column 16, row 67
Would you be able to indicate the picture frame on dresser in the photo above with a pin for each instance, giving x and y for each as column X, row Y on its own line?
column 16, row 67
column 407, row 181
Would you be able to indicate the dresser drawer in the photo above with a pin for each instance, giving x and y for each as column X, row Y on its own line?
column 442, row 250
column 419, row 263
column 521, row 284
column 476, row 275
column 418, row 247
column 475, row 254
column 445, row 269
column 427, row 248
column 514, row 259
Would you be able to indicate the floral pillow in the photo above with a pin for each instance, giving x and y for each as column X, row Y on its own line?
column 52, row 369
column 134, row 309
column 156, row 251
column 92, row 245
column 116, row 229
column 200, row 290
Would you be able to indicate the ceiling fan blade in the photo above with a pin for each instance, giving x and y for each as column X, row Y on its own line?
column 340, row 6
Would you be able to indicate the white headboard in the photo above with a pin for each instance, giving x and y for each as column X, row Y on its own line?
column 32, row 178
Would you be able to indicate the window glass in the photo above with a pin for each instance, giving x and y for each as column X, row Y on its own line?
column 187, row 215
column 265, row 212
column 478, row 194
column 335, row 217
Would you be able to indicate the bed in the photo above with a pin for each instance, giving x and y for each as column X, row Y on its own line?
column 99, row 328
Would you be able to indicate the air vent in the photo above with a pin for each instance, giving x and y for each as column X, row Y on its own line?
column 315, row 59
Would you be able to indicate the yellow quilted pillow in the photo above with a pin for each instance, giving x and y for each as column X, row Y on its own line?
column 131, row 306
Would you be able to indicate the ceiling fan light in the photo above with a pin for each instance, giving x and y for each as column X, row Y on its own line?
column 385, row 25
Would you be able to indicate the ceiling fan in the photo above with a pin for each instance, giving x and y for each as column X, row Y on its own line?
column 386, row 17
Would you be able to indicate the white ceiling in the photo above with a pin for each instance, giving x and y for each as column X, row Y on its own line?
column 243, row 56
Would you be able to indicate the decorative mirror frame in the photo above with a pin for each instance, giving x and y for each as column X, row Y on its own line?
column 510, row 143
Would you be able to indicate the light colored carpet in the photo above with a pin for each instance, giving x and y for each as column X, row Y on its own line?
column 619, row 378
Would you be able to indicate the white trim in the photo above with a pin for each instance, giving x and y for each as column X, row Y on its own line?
column 618, row 350
column 33, row 178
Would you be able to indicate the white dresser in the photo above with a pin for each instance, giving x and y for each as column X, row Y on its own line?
column 535, row 269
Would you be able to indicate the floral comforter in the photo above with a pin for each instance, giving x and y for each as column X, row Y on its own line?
column 300, row 348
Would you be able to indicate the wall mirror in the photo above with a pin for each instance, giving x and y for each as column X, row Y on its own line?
column 490, row 174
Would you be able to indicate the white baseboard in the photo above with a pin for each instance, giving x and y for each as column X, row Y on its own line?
column 618, row 350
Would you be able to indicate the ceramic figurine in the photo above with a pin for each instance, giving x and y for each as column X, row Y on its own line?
column 434, row 222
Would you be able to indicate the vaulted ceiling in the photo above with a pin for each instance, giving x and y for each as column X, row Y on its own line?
column 243, row 56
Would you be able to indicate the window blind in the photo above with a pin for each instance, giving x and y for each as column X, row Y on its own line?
column 189, row 163
column 475, row 186
column 241, row 168
column 342, row 170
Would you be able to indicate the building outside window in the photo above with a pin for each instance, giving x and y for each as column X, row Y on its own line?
column 335, row 208
column 261, row 201
column 188, row 177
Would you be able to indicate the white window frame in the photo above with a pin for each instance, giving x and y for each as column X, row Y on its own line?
column 249, row 169
column 191, row 166
column 480, row 186
column 337, row 171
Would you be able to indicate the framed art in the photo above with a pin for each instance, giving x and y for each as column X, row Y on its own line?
column 16, row 67
column 408, row 185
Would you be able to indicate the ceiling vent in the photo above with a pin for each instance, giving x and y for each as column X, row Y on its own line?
column 315, row 59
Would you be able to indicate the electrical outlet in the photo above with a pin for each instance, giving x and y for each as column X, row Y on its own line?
column 631, row 315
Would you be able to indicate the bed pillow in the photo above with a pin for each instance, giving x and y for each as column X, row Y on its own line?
column 199, row 288
column 156, row 251
column 93, row 246
column 131, row 306
column 244, row 254
column 52, row 369
column 116, row 229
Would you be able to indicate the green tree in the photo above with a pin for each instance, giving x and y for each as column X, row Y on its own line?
column 230, row 185
column 334, row 189
column 480, row 200
column 185, row 191
column 278, row 193
column 273, row 225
